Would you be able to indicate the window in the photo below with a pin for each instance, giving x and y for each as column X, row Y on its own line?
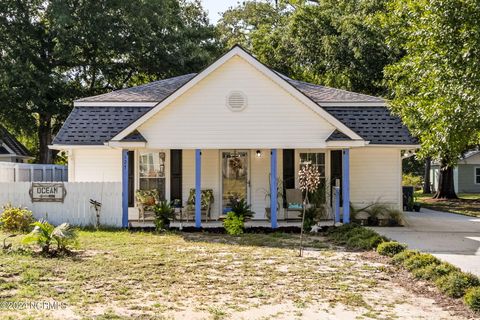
column 317, row 160
column 152, row 172
column 477, row 175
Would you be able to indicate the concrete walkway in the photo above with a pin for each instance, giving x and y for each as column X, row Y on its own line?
column 450, row 237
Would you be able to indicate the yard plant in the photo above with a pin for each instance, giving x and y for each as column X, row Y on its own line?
column 233, row 224
column 16, row 219
column 390, row 248
column 355, row 237
column 44, row 235
column 472, row 298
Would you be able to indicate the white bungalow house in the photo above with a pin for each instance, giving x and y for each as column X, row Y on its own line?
column 237, row 128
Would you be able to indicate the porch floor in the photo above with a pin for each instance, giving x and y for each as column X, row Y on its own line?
column 219, row 224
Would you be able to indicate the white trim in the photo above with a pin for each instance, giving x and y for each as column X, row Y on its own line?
column 114, row 104
column 475, row 174
column 126, row 144
column 348, row 143
column 83, row 146
column 399, row 146
column 237, row 51
column 358, row 104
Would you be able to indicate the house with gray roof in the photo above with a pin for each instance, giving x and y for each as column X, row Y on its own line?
column 466, row 174
column 11, row 150
column 237, row 130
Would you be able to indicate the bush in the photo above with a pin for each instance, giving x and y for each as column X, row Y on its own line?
column 419, row 261
column 399, row 258
column 434, row 271
column 163, row 214
column 455, row 284
column 390, row 248
column 233, row 224
column 355, row 237
column 472, row 298
column 409, row 179
column 16, row 219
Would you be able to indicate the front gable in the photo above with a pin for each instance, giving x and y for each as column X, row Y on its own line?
column 200, row 118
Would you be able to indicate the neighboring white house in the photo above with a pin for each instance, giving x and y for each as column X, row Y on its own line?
column 11, row 150
column 237, row 128
column 466, row 174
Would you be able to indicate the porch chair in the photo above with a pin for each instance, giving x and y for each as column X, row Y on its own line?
column 294, row 199
column 207, row 200
column 146, row 200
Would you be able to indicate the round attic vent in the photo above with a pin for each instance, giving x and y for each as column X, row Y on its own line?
column 236, row 101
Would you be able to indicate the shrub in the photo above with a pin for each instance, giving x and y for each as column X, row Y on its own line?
column 399, row 258
column 355, row 237
column 455, row 284
column 409, row 179
column 419, row 261
column 16, row 219
column 434, row 271
column 233, row 224
column 472, row 298
column 241, row 209
column 44, row 234
column 390, row 248
column 163, row 214
column 364, row 243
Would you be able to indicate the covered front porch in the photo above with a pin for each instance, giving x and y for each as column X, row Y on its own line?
column 202, row 184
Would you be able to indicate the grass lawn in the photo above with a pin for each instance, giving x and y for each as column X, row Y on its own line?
column 117, row 275
column 467, row 203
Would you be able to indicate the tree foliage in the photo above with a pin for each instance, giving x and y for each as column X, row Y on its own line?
column 57, row 50
column 335, row 43
column 436, row 87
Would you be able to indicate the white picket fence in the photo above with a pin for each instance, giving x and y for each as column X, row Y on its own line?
column 76, row 208
column 16, row 172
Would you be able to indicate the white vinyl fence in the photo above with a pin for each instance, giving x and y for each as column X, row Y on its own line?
column 15, row 172
column 76, row 208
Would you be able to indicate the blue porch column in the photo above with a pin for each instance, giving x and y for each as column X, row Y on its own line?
column 346, row 185
column 124, row 188
column 198, row 190
column 273, row 188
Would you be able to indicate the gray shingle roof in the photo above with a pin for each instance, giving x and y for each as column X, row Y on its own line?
column 321, row 94
column 7, row 139
column 96, row 125
column 374, row 124
column 151, row 92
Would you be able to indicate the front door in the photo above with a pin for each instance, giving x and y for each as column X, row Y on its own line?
column 235, row 177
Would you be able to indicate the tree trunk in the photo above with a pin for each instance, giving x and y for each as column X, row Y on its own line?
column 45, row 138
column 426, row 178
column 446, row 189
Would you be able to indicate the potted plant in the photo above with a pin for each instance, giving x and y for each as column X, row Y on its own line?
column 416, row 205
column 164, row 212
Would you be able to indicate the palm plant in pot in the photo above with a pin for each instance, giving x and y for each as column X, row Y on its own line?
column 164, row 212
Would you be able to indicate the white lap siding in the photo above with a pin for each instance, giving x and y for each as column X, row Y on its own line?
column 376, row 175
column 95, row 165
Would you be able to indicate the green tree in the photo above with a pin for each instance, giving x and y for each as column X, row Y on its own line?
column 57, row 50
column 436, row 85
column 330, row 42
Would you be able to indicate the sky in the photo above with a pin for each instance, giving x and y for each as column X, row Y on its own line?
column 215, row 6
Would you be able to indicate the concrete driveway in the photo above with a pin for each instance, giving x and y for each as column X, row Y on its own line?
column 450, row 237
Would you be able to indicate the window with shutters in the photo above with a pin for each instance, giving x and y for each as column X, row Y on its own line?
column 152, row 172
